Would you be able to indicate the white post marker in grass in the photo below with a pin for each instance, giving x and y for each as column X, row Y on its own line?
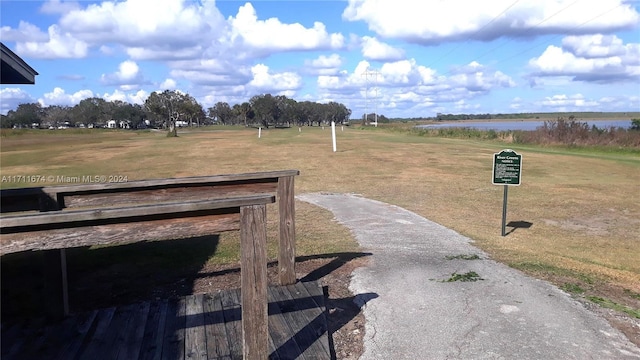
column 507, row 168
column 259, row 132
column 333, row 134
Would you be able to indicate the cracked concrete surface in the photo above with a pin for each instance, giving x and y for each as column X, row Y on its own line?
column 419, row 316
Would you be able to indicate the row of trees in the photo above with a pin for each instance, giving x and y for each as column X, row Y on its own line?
column 267, row 110
column 170, row 109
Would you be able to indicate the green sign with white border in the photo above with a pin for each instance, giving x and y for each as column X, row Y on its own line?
column 507, row 168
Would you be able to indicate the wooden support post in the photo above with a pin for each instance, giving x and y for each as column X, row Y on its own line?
column 287, row 246
column 253, row 239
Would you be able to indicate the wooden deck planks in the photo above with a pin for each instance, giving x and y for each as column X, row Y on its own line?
column 280, row 332
column 82, row 327
column 173, row 344
column 215, row 329
column 304, row 321
column 195, row 340
column 151, row 347
column 232, row 316
column 203, row 326
column 313, row 299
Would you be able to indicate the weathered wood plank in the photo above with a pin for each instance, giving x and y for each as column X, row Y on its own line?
column 232, row 317
column 118, row 329
column 303, row 319
column 23, row 339
column 280, row 331
column 13, row 337
column 96, row 336
column 312, row 297
column 173, row 348
column 160, row 329
column 151, row 183
column 138, row 192
column 215, row 331
column 130, row 338
column 195, row 340
column 78, row 218
column 164, row 195
column 287, row 248
column 71, row 349
column 152, row 341
column 253, row 277
column 273, row 354
column 113, row 234
column 45, row 341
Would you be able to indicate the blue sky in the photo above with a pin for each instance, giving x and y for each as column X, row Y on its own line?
column 405, row 58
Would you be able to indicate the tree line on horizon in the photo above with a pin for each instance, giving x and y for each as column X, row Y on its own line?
column 171, row 109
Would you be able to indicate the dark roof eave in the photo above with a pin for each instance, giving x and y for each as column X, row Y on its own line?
column 14, row 69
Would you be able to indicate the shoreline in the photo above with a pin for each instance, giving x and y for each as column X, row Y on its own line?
column 472, row 121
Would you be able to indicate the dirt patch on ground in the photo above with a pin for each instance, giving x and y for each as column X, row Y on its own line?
column 598, row 225
column 93, row 286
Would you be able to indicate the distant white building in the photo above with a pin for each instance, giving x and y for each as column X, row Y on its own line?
column 122, row 124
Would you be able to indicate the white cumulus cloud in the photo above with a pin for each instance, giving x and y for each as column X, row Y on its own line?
column 127, row 77
column 26, row 32
column 58, row 6
column 431, row 22
column 138, row 97
column 373, row 49
column 405, row 86
column 563, row 102
column 60, row 44
column 59, row 97
column 324, row 65
column 595, row 46
column 140, row 22
column 266, row 81
column 272, row 34
column 168, row 84
column 10, row 98
column 594, row 58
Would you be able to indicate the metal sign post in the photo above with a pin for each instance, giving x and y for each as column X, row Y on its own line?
column 507, row 168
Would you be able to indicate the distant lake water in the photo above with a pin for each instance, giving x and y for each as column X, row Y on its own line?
column 522, row 125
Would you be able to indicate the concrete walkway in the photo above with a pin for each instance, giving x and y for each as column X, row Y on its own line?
column 418, row 315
